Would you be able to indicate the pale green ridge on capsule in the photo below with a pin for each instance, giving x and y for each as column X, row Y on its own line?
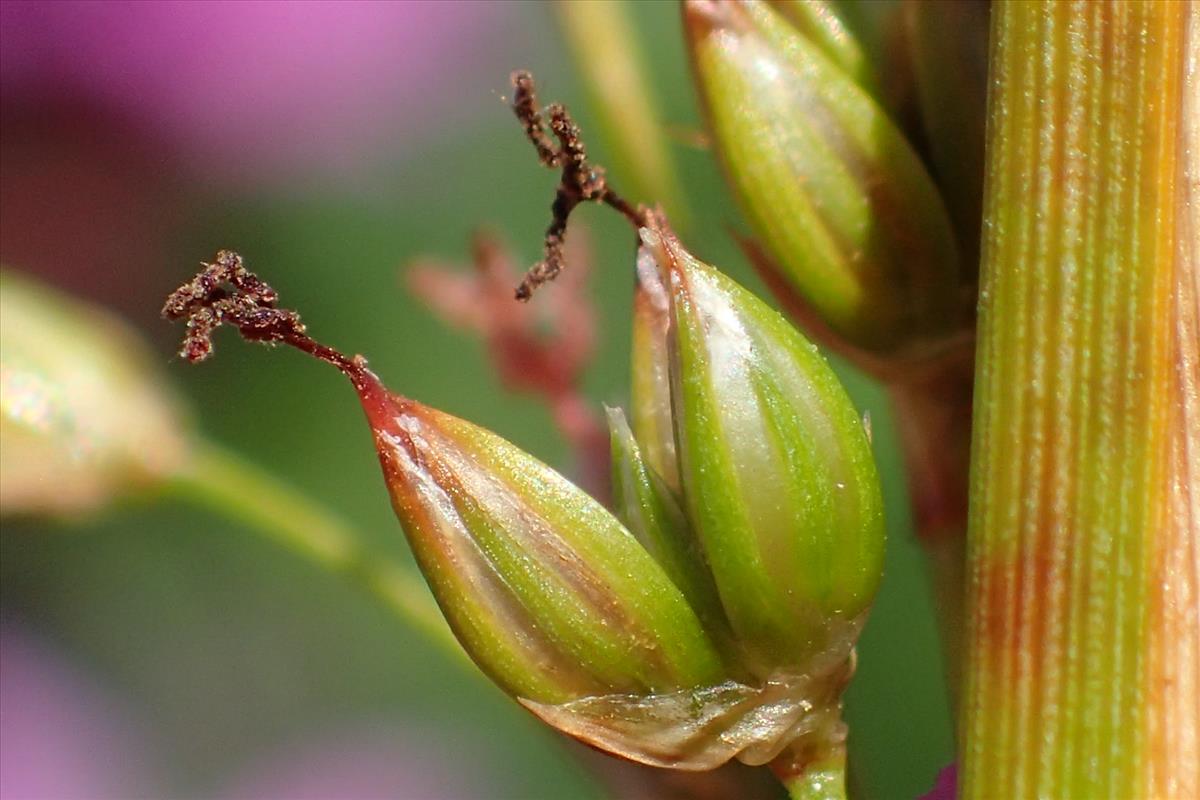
column 820, row 22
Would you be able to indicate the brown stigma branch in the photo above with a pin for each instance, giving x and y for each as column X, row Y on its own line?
column 581, row 180
column 226, row 293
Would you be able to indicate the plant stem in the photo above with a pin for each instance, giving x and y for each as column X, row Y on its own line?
column 825, row 780
column 226, row 483
column 1080, row 569
column 814, row 768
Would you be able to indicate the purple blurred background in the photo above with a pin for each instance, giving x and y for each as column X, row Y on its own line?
column 116, row 114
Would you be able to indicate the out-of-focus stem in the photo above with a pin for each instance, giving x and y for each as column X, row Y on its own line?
column 1079, row 679
column 604, row 43
column 223, row 481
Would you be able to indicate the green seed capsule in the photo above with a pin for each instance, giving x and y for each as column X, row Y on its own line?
column 842, row 203
column 776, row 469
column 545, row 589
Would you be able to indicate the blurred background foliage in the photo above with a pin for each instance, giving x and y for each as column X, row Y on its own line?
column 222, row 653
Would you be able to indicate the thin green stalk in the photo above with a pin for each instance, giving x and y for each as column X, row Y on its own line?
column 226, row 483
column 814, row 768
column 823, row 780
column 1070, row 486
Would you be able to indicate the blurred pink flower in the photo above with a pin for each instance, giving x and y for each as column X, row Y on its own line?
column 253, row 85
column 363, row 764
column 61, row 737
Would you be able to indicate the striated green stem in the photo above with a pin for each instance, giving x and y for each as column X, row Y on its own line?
column 1074, row 391
column 228, row 484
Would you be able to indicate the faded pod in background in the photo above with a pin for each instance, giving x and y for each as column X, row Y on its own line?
column 84, row 416
column 850, row 221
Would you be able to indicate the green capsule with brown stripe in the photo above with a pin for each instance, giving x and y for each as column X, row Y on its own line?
column 776, row 468
column 550, row 595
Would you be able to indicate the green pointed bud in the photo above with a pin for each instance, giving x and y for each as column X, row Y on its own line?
column 821, row 23
column 83, row 415
column 543, row 587
column 777, row 471
column 650, row 392
column 648, row 507
column 842, row 204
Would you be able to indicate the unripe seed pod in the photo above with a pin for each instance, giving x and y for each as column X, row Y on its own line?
column 845, row 209
column 545, row 589
column 776, row 469
column 723, row 628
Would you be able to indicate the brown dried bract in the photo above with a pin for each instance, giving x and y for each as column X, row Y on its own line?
column 581, row 180
column 225, row 292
